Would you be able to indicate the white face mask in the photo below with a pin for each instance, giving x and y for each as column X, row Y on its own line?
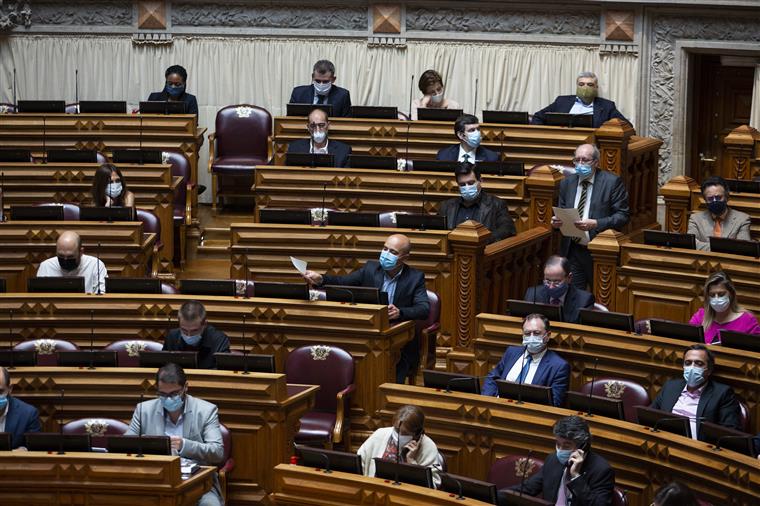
column 113, row 190
column 720, row 304
column 322, row 88
column 319, row 136
column 404, row 440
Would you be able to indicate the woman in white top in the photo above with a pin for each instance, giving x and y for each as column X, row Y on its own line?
column 416, row 447
column 431, row 86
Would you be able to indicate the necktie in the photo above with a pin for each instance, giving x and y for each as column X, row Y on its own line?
column 524, row 372
column 582, row 203
column 562, row 492
column 718, row 227
column 554, row 301
column 465, row 158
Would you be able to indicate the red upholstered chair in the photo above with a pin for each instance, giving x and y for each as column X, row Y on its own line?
column 228, row 463
column 128, row 350
column 183, row 203
column 619, row 497
column 427, row 332
column 241, row 141
column 508, row 471
column 46, row 349
column 151, row 225
column 631, row 393
column 70, row 211
column 743, row 415
column 332, row 369
column 98, row 428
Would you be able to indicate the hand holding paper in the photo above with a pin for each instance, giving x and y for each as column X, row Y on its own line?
column 568, row 218
column 300, row 265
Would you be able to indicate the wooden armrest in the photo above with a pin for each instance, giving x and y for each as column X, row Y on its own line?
column 211, row 150
column 342, row 397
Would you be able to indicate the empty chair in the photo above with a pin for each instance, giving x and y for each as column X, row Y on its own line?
column 241, row 141
column 426, row 331
column 70, row 211
column 46, row 349
column 128, row 350
column 631, row 393
column 509, row 471
column 332, row 369
column 98, row 428
column 228, row 463
column 151, row 225
column 182, row 203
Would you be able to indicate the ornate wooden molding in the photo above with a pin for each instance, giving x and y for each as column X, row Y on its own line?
column 605, row 248
column 678, row 194
column 542, row 185
column 612, row 138
column 742, row 151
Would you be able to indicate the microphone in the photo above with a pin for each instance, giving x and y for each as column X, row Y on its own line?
column 245, row 351
column 92, row 334
column 522, row 380
column 60, row 428
column 323, row 220
column 423, row 204
column 525, row 471
column 44, row 140
column 10, row 336
column 720, row 440
column 591, row 392
column 459, row 496
column 100, row 292
column 409, row 122
column 475, row 105
column 76, row 88
column 2, row 185
column 139, row 427
column 245, row 266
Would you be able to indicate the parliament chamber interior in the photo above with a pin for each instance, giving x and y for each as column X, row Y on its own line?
column 249, row 248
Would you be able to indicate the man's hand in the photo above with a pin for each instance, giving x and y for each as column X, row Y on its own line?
column 393, row 312
column 176, row 443
column 556, row 222
column 585, row 225
column 576, row 461
column 313, row 278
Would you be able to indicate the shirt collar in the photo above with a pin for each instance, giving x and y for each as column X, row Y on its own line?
column 470, row 153
column 311, row 145
column 385, row 273
column 695, row 393
column 590, row 180
column 584, row 104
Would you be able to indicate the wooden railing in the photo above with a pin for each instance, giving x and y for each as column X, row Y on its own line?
column 741, row 159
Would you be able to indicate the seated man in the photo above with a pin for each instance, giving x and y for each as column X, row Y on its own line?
column 574, row 474
column 532, row 363
column 557, row 289
column 718, row 220
column 323, row 90
column 467, row 130
column 319, row 126
column 696, row 395
column 71, row 262
column 475, row 204
column 175, row 414
column 195, row 334
column 16, row 416
column 405, row 285
column 585, row 101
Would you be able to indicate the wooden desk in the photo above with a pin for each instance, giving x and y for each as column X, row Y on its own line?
column 273, row 326
column 301, row 486
column 153, row 186
column 646, row 359
column 42, row 479
column 261, row 410
column 105, row 133
column 473, row 431
column 124, row 248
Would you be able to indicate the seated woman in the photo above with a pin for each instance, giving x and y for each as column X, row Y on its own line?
column 109, row 189
column 722, row 311
column 408, row 432
column 174, row 90
column 431, row 86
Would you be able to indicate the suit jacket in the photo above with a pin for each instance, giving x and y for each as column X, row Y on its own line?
column 493, row 215
column 553, row 371
column 717, row 404
column 609, row 203
column 191, row 104
column 212, row 341
column 575, row 300
column 411, row 295
column 21, row 418
column 594, row 487
column 339, row 149
column 339, row 98
column 734, row 226
column 604, row 110
column 451, row 153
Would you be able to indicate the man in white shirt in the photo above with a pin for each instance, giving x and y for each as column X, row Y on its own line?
column 71, row 262
column 318, row 125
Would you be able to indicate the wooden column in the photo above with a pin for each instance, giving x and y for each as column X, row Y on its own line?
column 605, row 248
column 740, row 152
column 542, row 186
column 677, row 194
column 612, row 139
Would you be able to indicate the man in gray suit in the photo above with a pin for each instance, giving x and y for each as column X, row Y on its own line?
column 718, row 220
column 602, row 202
column 191, row 423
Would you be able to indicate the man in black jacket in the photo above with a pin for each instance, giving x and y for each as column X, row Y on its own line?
column 318, row 126
column 467, row 130
column 405, row 286
column 557, row 289
column 195, row 334
column 574, row 474
column 322, row 90
column 696, row 395
column 475, row 204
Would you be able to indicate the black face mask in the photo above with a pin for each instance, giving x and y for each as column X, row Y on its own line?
column 717, row 207
column 68, row 264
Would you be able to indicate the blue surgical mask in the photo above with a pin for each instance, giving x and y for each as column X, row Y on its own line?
column 694, row 376
column 556, row 292
column 192, row 340
column 322, row 88
column 583, row 170
column 3, row 402
column 720, row 304
column 319, row 136
column 473, row 138
column 388, row 260
column 469, row 191
column 113, row 190
column 172, row 404
column 174, row 91
column 534, row 344
column 563, row 456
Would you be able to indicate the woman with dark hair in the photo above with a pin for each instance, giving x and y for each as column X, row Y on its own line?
column 722, row 311
column 431, row 86
column 109, row 189
column 674, row 494
column 174, row 90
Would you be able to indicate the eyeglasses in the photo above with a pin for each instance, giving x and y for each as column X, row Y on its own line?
column 582, row 160
column 534, row 333
column 553, row 282
column 320, row 126
column 164, row 395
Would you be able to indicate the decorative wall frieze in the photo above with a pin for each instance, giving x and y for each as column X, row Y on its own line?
column 14, row 14
column 93, row 13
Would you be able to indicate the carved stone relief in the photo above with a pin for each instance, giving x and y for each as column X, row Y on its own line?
column 14, row 14
column 90, row 13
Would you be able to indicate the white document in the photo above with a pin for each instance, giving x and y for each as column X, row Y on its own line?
column 300, row 265
column 569, row 217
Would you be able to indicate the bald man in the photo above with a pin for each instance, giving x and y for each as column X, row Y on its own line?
column 405, row 285
column 71, row 262
column 318, row 126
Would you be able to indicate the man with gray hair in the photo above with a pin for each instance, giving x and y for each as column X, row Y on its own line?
column 585, row 101
column 195, row 334
column 322, row 91
column 71, row 262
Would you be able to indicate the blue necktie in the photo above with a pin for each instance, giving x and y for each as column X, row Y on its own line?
column 524, row 372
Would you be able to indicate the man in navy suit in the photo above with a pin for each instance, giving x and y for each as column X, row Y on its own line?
column 467, row 130
column 323, row 91
column 696, row 395
column 405, row 286
column 557, row 289
column 602, row 202
column 532, row 362
column 319, row 125
column 585, row 101
column 16, row 416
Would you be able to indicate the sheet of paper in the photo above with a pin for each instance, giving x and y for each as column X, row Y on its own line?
column 300, row 265
column 568, row 217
